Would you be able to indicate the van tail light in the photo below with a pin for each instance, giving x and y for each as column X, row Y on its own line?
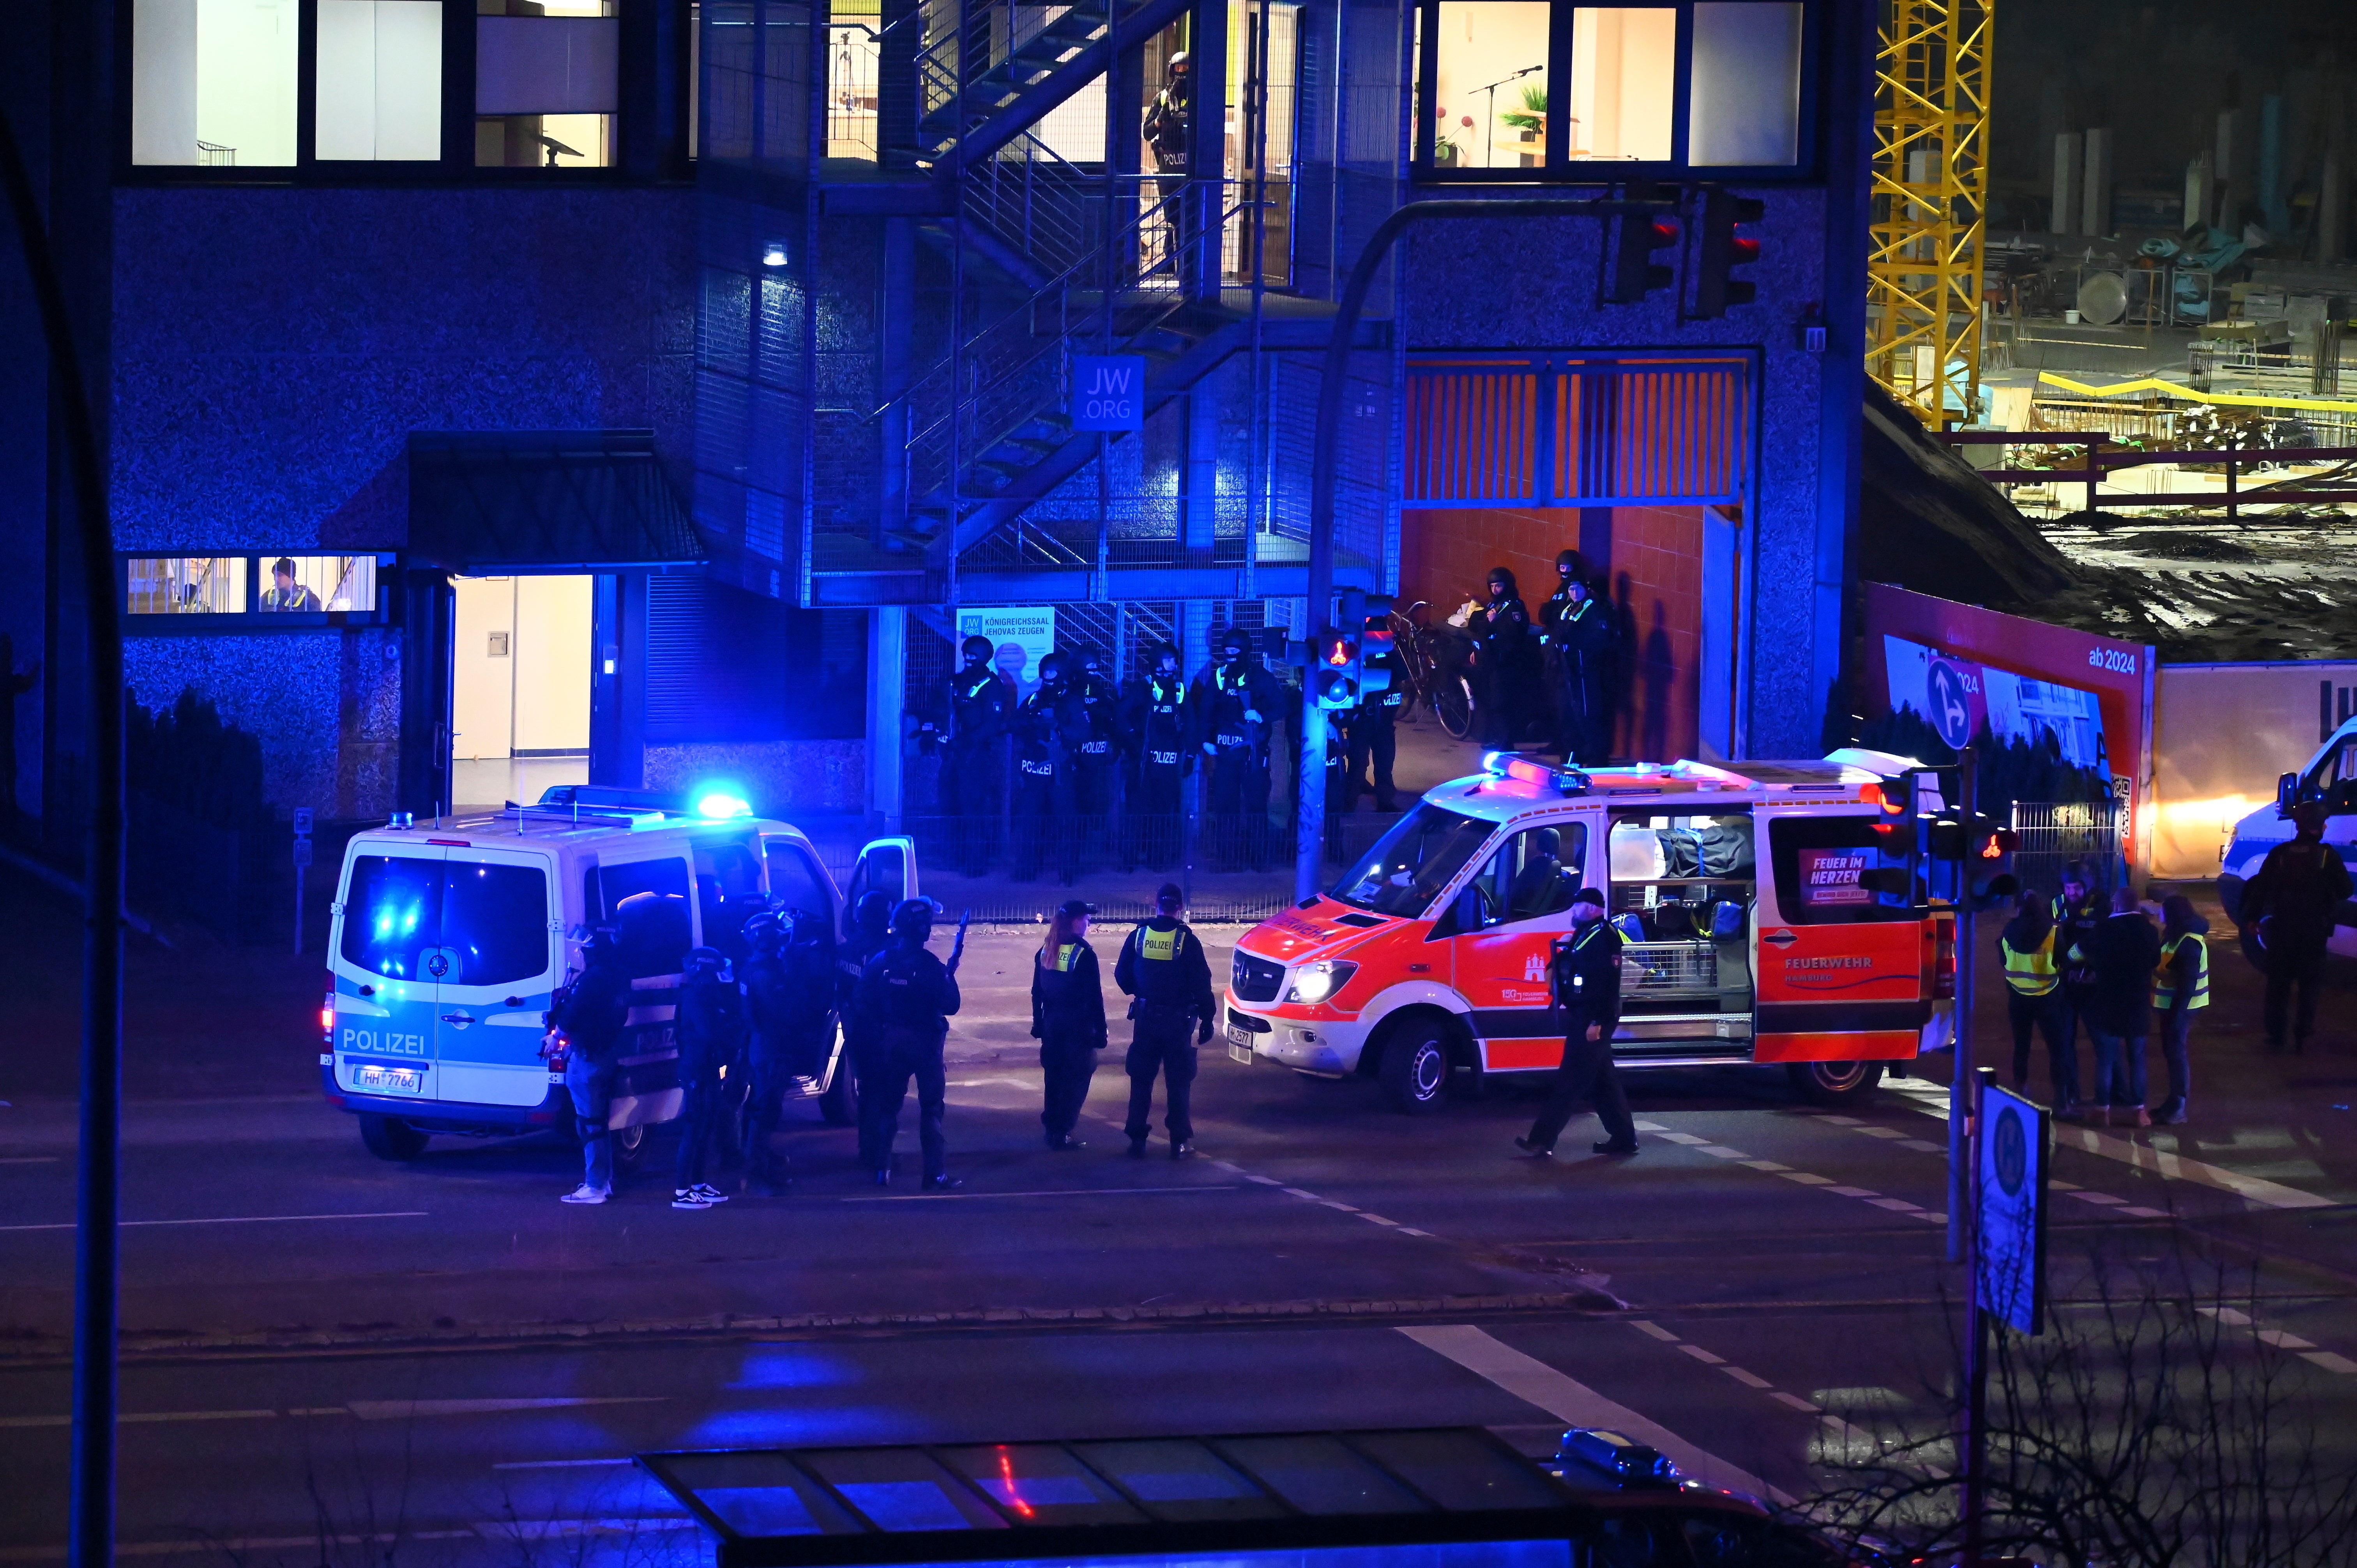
column 328, row 1012
column 1943, row 959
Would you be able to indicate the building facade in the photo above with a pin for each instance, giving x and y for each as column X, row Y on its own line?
column 637, row 390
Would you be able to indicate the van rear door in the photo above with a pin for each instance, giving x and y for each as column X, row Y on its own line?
column 501, row 940
column 887, row 866
column 388, row 960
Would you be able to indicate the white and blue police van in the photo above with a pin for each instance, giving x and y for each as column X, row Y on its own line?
column 450, row 941
column 2329, row 778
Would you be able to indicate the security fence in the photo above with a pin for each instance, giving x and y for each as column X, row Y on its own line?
column 2052, row 833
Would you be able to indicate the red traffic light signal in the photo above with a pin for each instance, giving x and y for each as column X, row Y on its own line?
column 1334, row 676
column 1722, row 250
column 1635, row 274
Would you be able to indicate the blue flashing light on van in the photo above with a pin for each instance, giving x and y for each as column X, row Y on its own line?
column 447, row 947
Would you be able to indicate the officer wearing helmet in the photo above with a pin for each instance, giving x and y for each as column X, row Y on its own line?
column 592, row 1015
column 710, row 1034
column 904, row 1003
column 1096, row 750
column 979, row 704
column 1045, row 734
column 1237, row 702
column 1158, row 725
column 774, row 1012
column 1170, row 118
column 1576, row 633
column 871, row 932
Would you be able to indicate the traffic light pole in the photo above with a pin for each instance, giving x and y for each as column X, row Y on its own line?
column 1962, row 1102
column 1309, row 809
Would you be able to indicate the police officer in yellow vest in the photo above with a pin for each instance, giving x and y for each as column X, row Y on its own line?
column 2033, row 997
column 1162, row 965
column 2179, row 986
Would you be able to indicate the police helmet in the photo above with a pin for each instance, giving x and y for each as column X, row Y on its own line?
column 874, row 910
column 1570, row 558
column 763, row 927
column 705, row 958
column 976, row 646
column 1051, row 667
column 1093, row 659
column 912, row 920
column 1182, row 60
column 1163, row 651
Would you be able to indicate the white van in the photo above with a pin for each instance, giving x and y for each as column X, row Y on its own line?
column 2329, row 777
column 448, row 942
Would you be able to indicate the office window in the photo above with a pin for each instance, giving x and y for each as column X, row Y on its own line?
column 380, row 76
column 545, row 84
column 343, row 583
column 1490, row 84
column 1747, row 85
column 1624, row 61
column 183, row 585
column 213, row 82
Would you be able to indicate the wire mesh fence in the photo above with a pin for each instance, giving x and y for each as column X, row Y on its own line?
column 2052, row 834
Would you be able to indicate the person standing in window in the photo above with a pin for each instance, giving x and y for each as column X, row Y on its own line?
column 284, row 593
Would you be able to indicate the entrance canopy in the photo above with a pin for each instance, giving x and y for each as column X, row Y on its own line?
column 516, row 502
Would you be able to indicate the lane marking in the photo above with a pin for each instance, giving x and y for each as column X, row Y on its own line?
column 1412, row 1231
column 2101, row 1197
column 1574, row 1403
column 1044, row 1192
column 1896, row 1205
column 146, row 1417
column 1707, row 1357
column 402, row 1409
column 1795, row 1402
column 1748, row 1380
column 1296, row 1192
column 28, row 1159
column 558, row 1464
column 2330, row 1361
column 238, row 1219
column 1767, row 1165
column 1721, row 1150
column 1806, row 1179
column 1851, row 1191
column 1932, row 1101
column 1264, row 1180
column 1654, row 1330
column 1687, row 1138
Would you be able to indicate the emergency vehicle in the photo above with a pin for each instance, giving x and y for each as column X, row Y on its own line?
column 448, row 942
column 1772, row 911
column 2329, row 778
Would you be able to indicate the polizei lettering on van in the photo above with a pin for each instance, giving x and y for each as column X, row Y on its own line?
column 379, row 1043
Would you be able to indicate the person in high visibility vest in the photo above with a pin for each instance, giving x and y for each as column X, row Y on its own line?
column 2180, row 987
column 2033, row 998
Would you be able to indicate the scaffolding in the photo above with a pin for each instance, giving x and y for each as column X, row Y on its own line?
column 1931, row 188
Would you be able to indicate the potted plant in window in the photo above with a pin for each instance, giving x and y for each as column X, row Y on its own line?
column 1445, row 151
column 1529, row 122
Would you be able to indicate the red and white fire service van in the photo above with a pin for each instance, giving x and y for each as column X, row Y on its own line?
column 1771, row 911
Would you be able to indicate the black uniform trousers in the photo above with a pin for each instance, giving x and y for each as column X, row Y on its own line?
column 777, row 1062
column 971, row 785
column 1584, row 721
column 900, row 1055
column 1164, row 1045
column 1373, row 737
column 2295, row 961
column 700, row 1113
column 1240, row 803
column 1040, row 804
column 1586, row 1074
column 2049, row 1016
column 1067, row 1060
column 1154, row 811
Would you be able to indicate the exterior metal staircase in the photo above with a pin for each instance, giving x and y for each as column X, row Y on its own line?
column 988, row 70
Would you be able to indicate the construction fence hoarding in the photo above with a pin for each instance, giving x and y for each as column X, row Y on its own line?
column 2223, row 733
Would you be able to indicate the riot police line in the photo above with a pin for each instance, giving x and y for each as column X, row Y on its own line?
column 749, row 1023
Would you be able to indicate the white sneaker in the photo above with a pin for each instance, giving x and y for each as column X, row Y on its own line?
column 585, row 1193
column 690, row 1197
column 710, row 1193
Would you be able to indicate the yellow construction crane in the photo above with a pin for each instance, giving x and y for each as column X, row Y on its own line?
column 1931, row 201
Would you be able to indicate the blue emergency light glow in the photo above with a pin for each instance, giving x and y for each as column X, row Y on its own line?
column 718, row 804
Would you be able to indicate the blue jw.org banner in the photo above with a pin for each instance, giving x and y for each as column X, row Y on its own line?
column 1108, row 391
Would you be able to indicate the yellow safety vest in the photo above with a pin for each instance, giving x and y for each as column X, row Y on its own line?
column 2164, row 994
column 1162, row 946
column 1066, row 956
column 2031, row 974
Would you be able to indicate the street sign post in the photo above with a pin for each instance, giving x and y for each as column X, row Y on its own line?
column 2010, row 1142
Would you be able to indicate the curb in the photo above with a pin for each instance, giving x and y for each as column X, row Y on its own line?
column 731, row 1324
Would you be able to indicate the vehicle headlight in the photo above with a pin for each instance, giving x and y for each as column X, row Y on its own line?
column 1317, row 982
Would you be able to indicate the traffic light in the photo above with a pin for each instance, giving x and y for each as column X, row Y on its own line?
column 1333, row 676
column 1895, row 828
column 1375, row 644
column 1722, row 250
column 1635, row 274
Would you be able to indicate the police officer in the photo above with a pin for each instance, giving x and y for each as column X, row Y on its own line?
column 905, row 999
column 1578, row 638
column 1159, row 727
column 1236, row 702
column 1043, row 761
column 1067, row 1019
column 1163, row 968
column 710, row 1032
column 979, row 704
column 1096, row 749
column 1374, row 737
column 788, row 984
column 592, row 1016
column 1502, row 634
column 1585, row 975
column 1170, row 118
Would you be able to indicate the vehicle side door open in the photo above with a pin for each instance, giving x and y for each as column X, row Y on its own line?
column 1683, row 889
column 1842, row 942
column 1507, row 920
column 887, row 866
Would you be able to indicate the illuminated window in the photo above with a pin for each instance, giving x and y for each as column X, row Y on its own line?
column 1624, row 69
column 1488, row 91
column 185, row 585
column 545, row 84
column 1747, row 85
column 380, row 76
column 213, row 82
column 343, row 583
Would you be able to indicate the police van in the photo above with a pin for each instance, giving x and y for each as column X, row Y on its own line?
column 448, row 942
column 2330, row 780
column 1773, row 913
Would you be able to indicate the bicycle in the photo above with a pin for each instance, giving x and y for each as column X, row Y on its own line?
column 1432, row 667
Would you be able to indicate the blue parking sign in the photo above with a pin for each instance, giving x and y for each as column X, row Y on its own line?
column 1108, row 391
column 2009, row 1193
